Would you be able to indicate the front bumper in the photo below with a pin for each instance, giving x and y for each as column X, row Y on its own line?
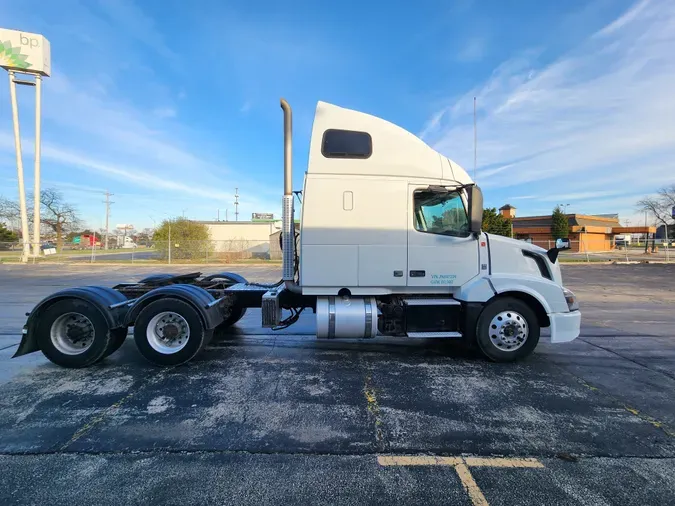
column 565, row 327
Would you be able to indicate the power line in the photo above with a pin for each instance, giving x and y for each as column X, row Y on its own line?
column 107, row 215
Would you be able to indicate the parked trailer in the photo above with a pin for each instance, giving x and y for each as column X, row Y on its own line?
column 390, row 244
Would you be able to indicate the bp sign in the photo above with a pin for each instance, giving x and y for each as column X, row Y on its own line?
column 25, row 52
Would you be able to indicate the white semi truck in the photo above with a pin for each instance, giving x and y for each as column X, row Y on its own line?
column 390, row 244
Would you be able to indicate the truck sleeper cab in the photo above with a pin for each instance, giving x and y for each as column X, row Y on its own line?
column 389, row 245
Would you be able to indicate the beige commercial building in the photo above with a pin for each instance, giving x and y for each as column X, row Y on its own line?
column 250, row 238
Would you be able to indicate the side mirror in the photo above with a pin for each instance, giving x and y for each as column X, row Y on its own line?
column 475, row 197
column 562, row 244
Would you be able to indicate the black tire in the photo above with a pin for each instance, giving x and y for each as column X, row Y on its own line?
column 197, row 339
column 517, row 310
column 117, row 338
column 236, row 314
column 94, row 352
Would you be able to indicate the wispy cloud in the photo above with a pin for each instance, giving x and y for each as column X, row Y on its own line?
column 164, row 112
column 600, row 114
column 133, row 22
column 473, row 49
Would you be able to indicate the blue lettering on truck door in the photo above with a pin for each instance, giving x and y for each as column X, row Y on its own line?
column 443, row 279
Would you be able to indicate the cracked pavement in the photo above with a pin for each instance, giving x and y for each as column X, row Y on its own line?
column 263, row 417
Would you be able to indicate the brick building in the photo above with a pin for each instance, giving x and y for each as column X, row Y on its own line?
column 587, row 232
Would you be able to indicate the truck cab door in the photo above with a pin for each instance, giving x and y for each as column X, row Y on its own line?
column 442, row 253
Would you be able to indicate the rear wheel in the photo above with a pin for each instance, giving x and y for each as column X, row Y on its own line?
column 170, row 332
column 117, row 338
column 73, row 333
column 507, row 330
column 236, row 314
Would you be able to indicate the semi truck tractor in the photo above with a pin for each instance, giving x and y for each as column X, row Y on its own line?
column 390, row 245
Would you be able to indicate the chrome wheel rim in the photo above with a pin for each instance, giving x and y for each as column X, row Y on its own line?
column 508, row 331
column 72, row 333
column 168, row 332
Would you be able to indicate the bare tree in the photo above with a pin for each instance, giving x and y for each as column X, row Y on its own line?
column 9, row 210
column 667, row 195
column 660, row 206
column 56, row 214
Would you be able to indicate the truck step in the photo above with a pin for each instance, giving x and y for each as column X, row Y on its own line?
column 432, row 302
column 431, row 335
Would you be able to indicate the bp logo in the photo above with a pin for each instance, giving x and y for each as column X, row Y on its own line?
column 10, row 56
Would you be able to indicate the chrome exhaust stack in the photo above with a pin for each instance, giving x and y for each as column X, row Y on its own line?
column 287, row 223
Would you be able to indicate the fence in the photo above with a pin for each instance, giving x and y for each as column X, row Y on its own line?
column 240, row 250
column 160, row 252
column 601, row 250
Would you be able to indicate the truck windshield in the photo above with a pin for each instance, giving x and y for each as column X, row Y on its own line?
column 440, row 213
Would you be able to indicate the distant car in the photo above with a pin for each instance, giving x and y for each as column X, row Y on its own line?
column 48, row 248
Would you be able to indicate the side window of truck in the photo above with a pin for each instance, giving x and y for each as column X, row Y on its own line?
column 346, row 144
column 440, row 213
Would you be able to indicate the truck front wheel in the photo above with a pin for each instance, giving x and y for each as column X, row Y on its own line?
column 507, row 330
column 170, row 332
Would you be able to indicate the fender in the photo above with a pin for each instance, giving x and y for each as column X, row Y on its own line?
column 101, row 297
column 167, row 279
column 196, row 296
column 548, row 293
column 232, row 276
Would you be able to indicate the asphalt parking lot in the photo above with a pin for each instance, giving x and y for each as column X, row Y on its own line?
column 264, row 417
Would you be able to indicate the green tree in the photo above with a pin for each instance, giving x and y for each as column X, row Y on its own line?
column 560, row 228
column 189, row 240
column 495, row 223
column 7, row 235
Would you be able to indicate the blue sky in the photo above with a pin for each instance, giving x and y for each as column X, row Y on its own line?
column 170, row 105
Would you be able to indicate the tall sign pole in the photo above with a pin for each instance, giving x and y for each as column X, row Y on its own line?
column 36, row 187
column 19, row 169
column 28, row 54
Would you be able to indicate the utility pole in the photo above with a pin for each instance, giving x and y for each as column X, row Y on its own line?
column 107, row 215
column 236, row 204
column 646, row 235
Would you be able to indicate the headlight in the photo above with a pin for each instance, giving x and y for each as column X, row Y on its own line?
column 572, row 301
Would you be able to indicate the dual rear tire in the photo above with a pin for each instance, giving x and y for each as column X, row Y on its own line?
column 73, row 333
column 170, row 332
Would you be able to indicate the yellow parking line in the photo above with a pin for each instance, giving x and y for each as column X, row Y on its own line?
column 470, row 485
column 417, row 460
column 461, row 466
column 501, row 462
